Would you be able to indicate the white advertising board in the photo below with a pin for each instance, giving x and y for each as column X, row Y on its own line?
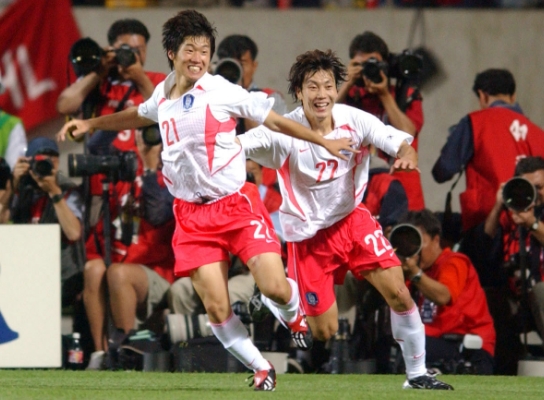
column 30, row 298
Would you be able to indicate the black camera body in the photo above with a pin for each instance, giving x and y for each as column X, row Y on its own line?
column 403, row 66
column 125, row 56
column 5, row 173
column 119, row 167
column 86, row 55
column 41, row 165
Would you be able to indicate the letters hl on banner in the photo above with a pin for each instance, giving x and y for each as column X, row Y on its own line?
column 36, row 39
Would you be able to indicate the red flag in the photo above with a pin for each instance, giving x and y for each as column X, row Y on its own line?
column 36, row 39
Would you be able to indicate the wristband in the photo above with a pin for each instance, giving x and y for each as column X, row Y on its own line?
column 56, row 198
column 534, row 227
column 417, row 277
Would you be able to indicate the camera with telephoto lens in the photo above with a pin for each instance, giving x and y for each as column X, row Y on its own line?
column 406, row 240
column 5, row 173
column 402, row 66
column 41, row 165
column 119, row 167
column 151, row 135
column 86, row 55
column 230, row 69
column 518, row 194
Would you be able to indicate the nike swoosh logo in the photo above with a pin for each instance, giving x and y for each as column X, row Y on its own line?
column 303, row 150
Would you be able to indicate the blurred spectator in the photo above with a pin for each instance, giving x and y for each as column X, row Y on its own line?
column 487, row 144
column 450, row 299
column 139, row 277
column 399, row 105
column 12, row 135
column 43, row 195
column 510, row 304
column 12, row 138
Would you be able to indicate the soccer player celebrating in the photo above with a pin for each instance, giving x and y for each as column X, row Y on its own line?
column 327, row 228
column 204, row 168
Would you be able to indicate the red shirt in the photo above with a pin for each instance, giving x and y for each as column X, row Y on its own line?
column 467, row 311
column 151, row 245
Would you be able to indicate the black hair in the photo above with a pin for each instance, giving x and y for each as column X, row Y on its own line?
column 368, row 42
column 495, row 81
column 187, row 23
column 424, row 219
column 311, row 62
column 127, row 26
column 235, row 46
column 528, row 165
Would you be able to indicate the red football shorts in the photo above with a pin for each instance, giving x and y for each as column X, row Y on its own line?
column 355, row 243
column 207, row 233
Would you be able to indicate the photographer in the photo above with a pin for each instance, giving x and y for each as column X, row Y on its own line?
column 44, row 196
column 116, row 82
column 511, row 310
column 398, row 105
column 450, row 298
column 142, row 259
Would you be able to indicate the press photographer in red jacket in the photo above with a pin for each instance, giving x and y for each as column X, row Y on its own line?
column 450, row 298
column 399, row 104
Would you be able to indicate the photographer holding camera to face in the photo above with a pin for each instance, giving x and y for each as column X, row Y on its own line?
column 516, row 218
column 43, row 195
column 450, row 298
column 385, row 85
column 117, row 71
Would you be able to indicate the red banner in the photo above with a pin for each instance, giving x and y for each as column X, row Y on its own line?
column 36, row 39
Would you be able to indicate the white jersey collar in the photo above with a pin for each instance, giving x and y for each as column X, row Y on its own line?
column 203, row 83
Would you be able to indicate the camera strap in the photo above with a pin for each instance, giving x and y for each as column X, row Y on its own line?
column 121, row 104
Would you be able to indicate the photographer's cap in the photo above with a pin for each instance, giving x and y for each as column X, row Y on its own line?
column 42, row 145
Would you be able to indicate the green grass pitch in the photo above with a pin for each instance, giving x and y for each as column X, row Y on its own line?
column 57, row 384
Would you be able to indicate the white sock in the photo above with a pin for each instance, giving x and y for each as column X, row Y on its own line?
column 409, row 332
column 285, row 312
column 235, row 339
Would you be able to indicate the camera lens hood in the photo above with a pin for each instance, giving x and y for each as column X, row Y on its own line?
column 518, row 194
column 406, row 240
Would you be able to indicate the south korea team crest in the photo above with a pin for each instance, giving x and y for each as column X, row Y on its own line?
column 188, row 101
column 312, row 299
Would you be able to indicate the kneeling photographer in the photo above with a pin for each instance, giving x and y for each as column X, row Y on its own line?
column 515, row 244
column 136, row 269
column 385, row 85
column 448, row 293
column 43, row 195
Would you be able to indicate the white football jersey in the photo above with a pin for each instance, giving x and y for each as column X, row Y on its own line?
column 201, row 159
column 319, row 189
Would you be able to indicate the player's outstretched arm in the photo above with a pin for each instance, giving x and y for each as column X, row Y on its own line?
column 126, row 119
column 277, row 123
column 406, row 159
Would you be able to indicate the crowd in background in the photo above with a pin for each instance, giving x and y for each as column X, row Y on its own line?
column 120, row 278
